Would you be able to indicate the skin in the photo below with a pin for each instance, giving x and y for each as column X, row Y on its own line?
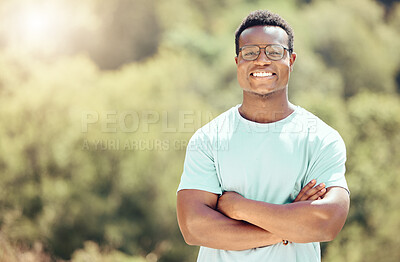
column 202, row 224
column 232, row 222
column 265, row 100
column 300, row 222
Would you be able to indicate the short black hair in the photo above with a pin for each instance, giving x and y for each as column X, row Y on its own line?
column 264, row 17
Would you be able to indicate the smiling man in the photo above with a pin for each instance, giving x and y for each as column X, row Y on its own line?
column 264, row 181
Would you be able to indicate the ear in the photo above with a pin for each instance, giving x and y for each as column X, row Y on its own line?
column 291, row 61
column 236, row 59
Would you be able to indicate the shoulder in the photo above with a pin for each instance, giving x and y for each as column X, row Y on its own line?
column 318, row 132
column 314, row 125
column 208, row 137
column 216, row 126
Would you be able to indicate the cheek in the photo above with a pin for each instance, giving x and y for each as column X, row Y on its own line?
column 242, row 70
column 285, row 71
column 241, row 75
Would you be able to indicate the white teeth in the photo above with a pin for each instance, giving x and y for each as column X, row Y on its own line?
column 262, row 74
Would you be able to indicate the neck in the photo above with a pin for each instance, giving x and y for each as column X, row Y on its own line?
column 265, row 108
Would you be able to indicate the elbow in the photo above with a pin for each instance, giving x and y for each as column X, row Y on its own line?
column 188, row 231
column 332, row 227
column 332, row 232
column 188, row 237
column 335, row 214
column 329, row 235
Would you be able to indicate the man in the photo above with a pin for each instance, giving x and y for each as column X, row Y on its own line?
column 264, row 181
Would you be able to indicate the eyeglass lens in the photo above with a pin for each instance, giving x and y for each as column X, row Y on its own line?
column 273, row 52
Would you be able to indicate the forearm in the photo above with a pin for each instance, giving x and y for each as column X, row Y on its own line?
column 202, row 225
column 298, row 222
column 214, row 230
column 301, row 222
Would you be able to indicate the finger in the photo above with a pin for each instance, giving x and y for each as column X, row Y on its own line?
column 323, row 195
column 305, row 189
column 318, row 194
column 313, row 193
column 309, row 195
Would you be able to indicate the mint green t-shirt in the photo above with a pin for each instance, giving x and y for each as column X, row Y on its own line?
column 265, row 162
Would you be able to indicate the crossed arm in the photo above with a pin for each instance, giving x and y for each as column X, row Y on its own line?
column 232, row 222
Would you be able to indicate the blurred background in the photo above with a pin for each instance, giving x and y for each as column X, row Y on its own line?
column 98, row 100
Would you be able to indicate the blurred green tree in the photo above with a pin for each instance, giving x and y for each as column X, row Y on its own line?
column 90, row 158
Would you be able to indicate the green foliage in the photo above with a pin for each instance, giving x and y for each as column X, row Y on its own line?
column 91, row 252
column 358, row 44
column 90, row 159
column 372, row 174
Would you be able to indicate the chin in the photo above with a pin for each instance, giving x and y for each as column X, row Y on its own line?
column 263, row 90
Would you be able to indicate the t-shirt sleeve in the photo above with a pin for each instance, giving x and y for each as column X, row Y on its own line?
column 328, row 162
column 199, row 171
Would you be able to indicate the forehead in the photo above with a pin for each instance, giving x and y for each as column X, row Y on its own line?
column 259, row 35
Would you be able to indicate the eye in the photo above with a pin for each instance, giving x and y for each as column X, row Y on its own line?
column 249, row 53
column 275, row 53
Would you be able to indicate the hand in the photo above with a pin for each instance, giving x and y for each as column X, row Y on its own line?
column 309, row 192
column 226, row 204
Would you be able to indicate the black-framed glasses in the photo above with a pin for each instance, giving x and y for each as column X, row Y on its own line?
column 273, row 52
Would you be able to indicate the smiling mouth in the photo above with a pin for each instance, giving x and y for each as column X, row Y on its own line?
column 262, row 74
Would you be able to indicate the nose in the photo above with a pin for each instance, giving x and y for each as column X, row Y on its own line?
column 262, row 58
